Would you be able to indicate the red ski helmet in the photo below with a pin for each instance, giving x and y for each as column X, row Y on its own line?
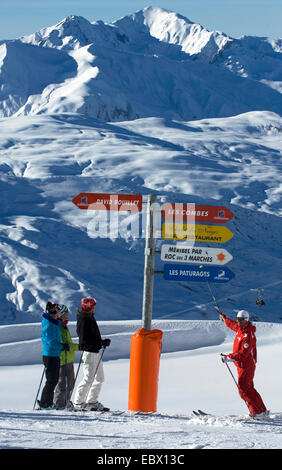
column 88, row 303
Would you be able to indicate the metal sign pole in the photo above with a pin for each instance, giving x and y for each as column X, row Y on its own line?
column 149, row 264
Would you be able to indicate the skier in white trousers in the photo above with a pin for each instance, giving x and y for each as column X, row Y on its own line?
column 90, row 341
column 88, row 390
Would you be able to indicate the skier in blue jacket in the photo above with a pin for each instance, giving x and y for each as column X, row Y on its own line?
column 52, row 348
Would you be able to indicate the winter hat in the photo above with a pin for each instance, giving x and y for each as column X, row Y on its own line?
column 88, row 303
column 52, row 309
column 243, row 314
column 63, row 309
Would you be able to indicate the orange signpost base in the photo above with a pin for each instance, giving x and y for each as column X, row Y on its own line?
column 144, row 370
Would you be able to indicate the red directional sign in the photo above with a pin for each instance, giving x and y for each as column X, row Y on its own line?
column 179, row 212
column 114, row 202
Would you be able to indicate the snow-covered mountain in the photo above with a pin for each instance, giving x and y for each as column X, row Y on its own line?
column 195, row 117
column 49, row 248
column 151, row 63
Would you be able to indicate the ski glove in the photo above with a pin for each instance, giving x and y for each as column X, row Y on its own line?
column 225, row 358
column 106, row 342
column 66, row 346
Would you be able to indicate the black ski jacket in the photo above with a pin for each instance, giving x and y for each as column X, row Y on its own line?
column 88, row 332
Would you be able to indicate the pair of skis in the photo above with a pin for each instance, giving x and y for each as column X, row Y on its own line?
column 70, row 407
column 93, row 411
column 100, row 412
column 200, row 413
column 203, row 414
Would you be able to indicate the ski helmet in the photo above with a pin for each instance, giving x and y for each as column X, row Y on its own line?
column 243, row 314
column 88, row 303
column 63, row 309
column 52, row 309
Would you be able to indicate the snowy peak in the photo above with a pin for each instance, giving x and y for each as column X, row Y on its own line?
column 73, row 32
column 172, row 28
column 143, row 26
column 151, row 63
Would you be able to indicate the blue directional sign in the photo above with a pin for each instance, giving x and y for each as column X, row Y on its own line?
column 192, row 272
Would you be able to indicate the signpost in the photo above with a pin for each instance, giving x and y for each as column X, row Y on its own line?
column 195, row 255
column 198, row 233
column 199, row 264
column 146, row 344
column 149, row 263
column 200, row 273
column 179, row 212
column 113, row 202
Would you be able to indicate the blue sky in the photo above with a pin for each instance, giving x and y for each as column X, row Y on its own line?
column 233, row 17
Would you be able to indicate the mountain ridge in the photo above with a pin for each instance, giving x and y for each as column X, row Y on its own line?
column 151, row 63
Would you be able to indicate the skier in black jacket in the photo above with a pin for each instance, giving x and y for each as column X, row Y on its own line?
column 90, row 341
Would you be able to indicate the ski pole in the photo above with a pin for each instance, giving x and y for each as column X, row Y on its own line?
column 66, row 376
column 101, row 355
column 213, row 296
column 79, row 364
column 39, row 388
column 235, row 382
column 69, row 400
column 231, row 374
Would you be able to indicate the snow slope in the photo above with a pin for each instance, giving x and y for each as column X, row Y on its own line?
column 191, row 377
column 50, row 249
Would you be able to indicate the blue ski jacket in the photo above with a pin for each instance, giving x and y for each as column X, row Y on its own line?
column 51, row 336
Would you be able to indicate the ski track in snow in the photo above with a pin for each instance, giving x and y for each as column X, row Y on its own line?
column 188, row 380
column 68, row 430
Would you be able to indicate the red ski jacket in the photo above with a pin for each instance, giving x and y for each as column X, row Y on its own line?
column 244, row 347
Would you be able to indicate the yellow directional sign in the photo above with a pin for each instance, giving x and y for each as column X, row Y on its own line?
column 198, row 233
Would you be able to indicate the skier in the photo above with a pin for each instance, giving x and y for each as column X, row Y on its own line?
column 52, row 347
column 90, row 342
column 65, row 385
column 244, row 356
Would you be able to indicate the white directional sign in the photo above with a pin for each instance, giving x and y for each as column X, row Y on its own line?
column 195, row 255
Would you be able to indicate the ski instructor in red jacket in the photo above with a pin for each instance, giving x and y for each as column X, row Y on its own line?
column 244, row 356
